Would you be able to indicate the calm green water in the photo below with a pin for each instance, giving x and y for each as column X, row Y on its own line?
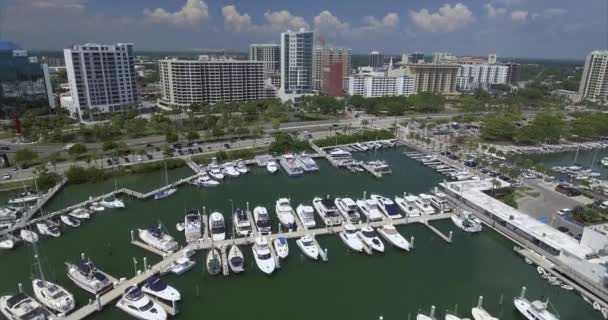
column 349, row 286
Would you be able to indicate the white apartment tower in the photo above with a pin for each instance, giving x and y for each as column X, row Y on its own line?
column 296, row 62
column 594, row 82
column 270, row 55
column 101, row 79
column 474, row 75
column 373, row 84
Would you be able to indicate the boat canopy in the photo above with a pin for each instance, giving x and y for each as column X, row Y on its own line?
column 12, row 301
column 156, row 284
column 282, row 240
column 236, row 261
column 134, row 293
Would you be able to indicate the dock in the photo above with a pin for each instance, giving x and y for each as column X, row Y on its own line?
column 322, row 252
column 273, row 253
column 254, row 227
column 148, row 248
column 371, row 170
column 447, row 239
column 225, row 269
column 205, row 227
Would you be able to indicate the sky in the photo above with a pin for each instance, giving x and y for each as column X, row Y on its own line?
column 511, row 28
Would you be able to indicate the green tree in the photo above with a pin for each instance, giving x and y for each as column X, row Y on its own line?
column 109, row 145
column 24, row 156
column 499, row 127
column 77, row 149
column 171, row 137
column 192, row 136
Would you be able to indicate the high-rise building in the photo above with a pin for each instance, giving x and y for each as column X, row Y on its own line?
column 512, row 72
column 415, row 58
column 270, row 54
column 594, row 82
column 332, row 60
column 101, row 78
column 472, row 76
column 444, row 57
column 492, row 58
column 376, row 59
column 184, row 82
column 296, row 63
column 435, row 78
column 373, row 84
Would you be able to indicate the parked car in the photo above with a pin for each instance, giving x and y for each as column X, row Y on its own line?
column 226, row 146
column 109, row 162
column 7, row 176
column 564, row 212
column 140, row 158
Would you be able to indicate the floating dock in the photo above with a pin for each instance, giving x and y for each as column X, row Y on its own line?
column 225, row 269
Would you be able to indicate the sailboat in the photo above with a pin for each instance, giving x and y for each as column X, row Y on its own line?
column 166, row 192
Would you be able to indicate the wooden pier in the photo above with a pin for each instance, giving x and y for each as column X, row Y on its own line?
column 273, row 253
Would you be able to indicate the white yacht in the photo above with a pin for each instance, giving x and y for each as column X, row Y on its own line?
column 179, row 266
column 236, row 259
column 205, row 181
column 53, row 296
column 306, row 214
column 263, row 258
column 25, row 197
column 193, row 224
column 28, row 236
column 308, row 247
column 423, row 202
column 70, row 221
column 348, row 208
column 390, row 234
column 291, row 165
column 285, row 213
column 467, row 222
column 387, row 206
column 96, row 207
column 421, row 316
column 307, row 163
column 533, row 310
column 49, row 228
column 7, row 244
column 407, row 204
column 23, row 307
column 112, row 203
column 137, row 304
column 230, row 171
column 215, row 172
column 479, row 313
column 154, row 286
column 88, row 277
column 281, row 247
column 339, row 154
column 369, row 237
column 8, row 216
column 180, row 226
column 156, row 238
column 80, row 213
column 242, row 168
column 214, row 262
column 449, row 316
column 327, row 210
column 217, row 226
column 272, row 167
column 370, row 209
column 350, row 238
column 165, row 193
column 262, row 219
column 241, row 222
column 440, row 202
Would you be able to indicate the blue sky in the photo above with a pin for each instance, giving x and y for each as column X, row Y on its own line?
column 520, row 28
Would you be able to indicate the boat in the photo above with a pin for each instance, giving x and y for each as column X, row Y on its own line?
column 390, row 234
column 230, row 171
column 206, row 181
column 49, row 228
column 439, row 201
column 541, row 270
column 421, row 316
column 193, row 225
column 112, row 203
column 28, row 236
column 467, row 222
column 567, row 287
column 7, row 244
column 262, row 255
column 156, row 238
column 327, row 210
column 236, row 259
column 272, row 167
column 307, row 163
column 88, row 277
column 179, row 266
column 8, row 216
column 348, row 208
column 214, row 262
column 25, row 197
column 53, row 296
column 370, row 209
column 407, row 204
column 155, row 286
column 70, row 221
column 306, row 214
column 533, row 310
column 137, row 304
column 285, row 213
column 340, row 155
column 479, row 313
column 350, row 238
column 96, row 207
column 369, row 237
column 180, row 226
column 281, row 247
column 242, row 168
column 241, row 222
column 423, row 202
column 23, row 307
column 80, row 213
column 291, row 165
column 165, row 193
column 217, row 226
column 308, row 247
column 262, row 219
column 449, row 316
column 528, row 261
column 387, row 206
column 215, row 172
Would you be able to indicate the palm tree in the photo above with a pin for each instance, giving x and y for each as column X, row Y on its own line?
column 495, row 185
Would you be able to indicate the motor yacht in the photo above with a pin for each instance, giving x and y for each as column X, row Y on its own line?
column 8, row 216
column 156, row 238
column 242, row 168
column 215, row 173
column 439, row 201
column 53, row 296
column 49, row 228
column 214, row 262
column 306, row 214
column 80, row 213
column 272, row 167
column 236, row 259
column 230, row 171
column 88, row 277
column 350, row 238
column 112, row 203
column 327, row 210
column 423, row 202
column 193, row 225
column 369, row 237
column 407, row 204
column 533, row 310
column 179, row 266
column 387, row 206
column 421, row 316
column 370, row 209
column 479, row 313
column 390, row 234
column 137, row 304
column 307, row 163
column 206, row 181
column 23, row 307
column 449, row 316
column 7, row 244
column 281, row 247
column 466, row 221
column 262, row 220
column 155, row 286
column 217, row 226
column 348, row 208
column 262, row 255
column 25, row 198
column 285, row 213
column 96, row 207
column 28, row 236
column 241, row 222
column 70, row 221
column 308, row 247
column 165, row 193
column 291, row 165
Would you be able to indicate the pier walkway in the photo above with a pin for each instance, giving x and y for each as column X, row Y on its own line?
column 39, row 204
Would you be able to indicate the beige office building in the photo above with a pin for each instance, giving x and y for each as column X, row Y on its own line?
column 435, row 78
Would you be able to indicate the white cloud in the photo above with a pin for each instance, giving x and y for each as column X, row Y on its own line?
column 233, row 20
column 283, row 20
column 447, row 19
column 61, row 4
column 329, row 25
column 391, row 20
column 492, row 11
column 553, row 12
column 191, row 13
column 519, row 16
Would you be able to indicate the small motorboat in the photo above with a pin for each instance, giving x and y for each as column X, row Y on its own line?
column 95, row 206
column 241, row 223
column 70, row 221
column 80, row 213
column 217, row 226
column 48, row 228
column 216, row 173
column 28, row 236
column 528, row 261
column 7, row 244
column 230, row 170
column 541, row 270
column 272, row 167
column 112, row 203
column 306, row 214
column 179, row 266
column 262, row 255
column 180, row 226
column 137, row 304
column 242, row 168
column 53, row 296
column 369, row 237
column 281, row 247
column 236, row 259
column 262, row 219
column 350, row 238
column 390, row 234
column 214, row 262
column 285, row 213
column 206, row 181
column 308, row 247
column 156, row 287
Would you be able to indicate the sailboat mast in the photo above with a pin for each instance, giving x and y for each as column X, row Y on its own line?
column 37, row 261
column 166, row 174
